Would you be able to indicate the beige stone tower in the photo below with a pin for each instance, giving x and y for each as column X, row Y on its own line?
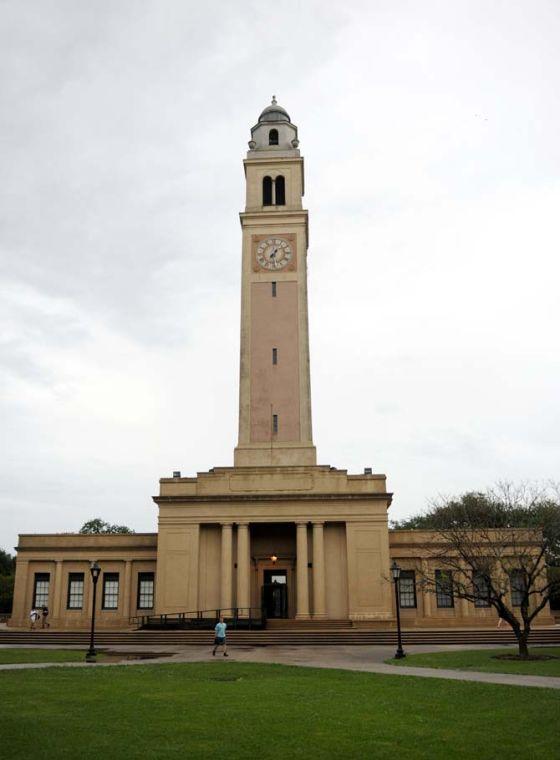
column 275, row 526
column 274, row 393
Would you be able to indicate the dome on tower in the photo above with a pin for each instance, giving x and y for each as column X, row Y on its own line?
column 274, row 112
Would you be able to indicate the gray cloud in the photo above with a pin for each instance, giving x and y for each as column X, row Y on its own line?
column 432, row 163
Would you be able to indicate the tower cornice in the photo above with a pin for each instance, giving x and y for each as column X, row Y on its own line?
column 258, row 217
column 268, row 157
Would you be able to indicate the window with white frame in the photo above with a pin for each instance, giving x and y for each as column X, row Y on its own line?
column 407, row 589
column 517, row 582
column 110, row 591
column 444, row 589
column 75, row 600
column 145, row 599
column 481, row 590
column 41, row 589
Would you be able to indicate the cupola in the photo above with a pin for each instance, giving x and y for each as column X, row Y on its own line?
column 274, row 130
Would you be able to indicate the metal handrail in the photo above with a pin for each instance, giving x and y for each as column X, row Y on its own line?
column 233, row 615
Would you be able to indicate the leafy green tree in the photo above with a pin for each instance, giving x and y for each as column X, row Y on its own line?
column 99, row 526
column 7, row 563
column 6, row 592
column 7, row 578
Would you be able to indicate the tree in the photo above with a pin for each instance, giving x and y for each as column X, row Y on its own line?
column 7, row 563
column 99, row 526
column 492, row 549
column 6, row 592
column 7, row 578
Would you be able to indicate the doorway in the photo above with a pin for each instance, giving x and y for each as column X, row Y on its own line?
column 275, row 594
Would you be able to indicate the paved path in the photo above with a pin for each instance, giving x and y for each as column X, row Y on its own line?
column 368, row 659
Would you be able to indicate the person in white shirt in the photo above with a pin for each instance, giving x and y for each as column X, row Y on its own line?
column 220, row 636
column 34, row 616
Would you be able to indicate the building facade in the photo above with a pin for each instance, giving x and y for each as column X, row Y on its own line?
column 276, row 530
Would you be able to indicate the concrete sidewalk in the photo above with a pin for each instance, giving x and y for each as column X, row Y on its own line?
column 367, row 659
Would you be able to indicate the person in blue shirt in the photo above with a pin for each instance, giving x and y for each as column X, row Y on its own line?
column 220, row 638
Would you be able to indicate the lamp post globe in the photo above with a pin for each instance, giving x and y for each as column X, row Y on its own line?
column 396, row 574
column 95, row 571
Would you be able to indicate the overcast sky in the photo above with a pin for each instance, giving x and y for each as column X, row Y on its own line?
column 430, row 132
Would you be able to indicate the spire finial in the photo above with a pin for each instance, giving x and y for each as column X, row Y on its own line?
column 274, row 100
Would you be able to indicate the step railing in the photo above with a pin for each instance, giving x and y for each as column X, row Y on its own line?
column 243, row 618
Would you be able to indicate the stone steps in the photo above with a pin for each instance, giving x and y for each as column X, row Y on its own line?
column 282, row 624
column 550, row 636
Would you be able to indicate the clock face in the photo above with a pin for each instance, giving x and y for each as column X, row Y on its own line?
column 274, row 253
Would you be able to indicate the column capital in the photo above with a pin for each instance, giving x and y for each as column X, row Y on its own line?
column 302, row 523
column 243, row 524
column 227, row 524
column 318, row 523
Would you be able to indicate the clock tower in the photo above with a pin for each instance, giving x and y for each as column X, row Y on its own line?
column 275, row 536
column 274, row 389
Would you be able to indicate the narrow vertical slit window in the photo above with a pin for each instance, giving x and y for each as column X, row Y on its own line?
column 273, row 137
column 267, row 191
column 275, row 356
column 280, row 187
column 274, row 423
column 274, row 290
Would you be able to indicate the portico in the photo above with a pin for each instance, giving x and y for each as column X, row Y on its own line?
column 325, row 530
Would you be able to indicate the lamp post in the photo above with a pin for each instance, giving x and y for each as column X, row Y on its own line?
column 95, row 571
column 396, row 573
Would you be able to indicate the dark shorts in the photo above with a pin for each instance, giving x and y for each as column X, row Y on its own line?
column 219, row 640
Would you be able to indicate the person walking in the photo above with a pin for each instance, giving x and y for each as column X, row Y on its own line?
column 34, row 617
column 220, row 636
column 45, row 614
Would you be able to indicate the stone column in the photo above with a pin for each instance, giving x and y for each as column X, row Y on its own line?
column 226, row 567
column 21, row 605
column 243, row 570
column 302, row 577
column 127, row 589
column 319, row 599
column 58, row 592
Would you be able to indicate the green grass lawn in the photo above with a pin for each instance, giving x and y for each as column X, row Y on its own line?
column 14, row 655
column 482, row 660
column 244, row 710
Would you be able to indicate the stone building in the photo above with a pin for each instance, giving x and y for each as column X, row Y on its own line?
column 276, row 529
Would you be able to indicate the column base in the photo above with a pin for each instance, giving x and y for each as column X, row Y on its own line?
column 319, row 616
column 303, row 616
